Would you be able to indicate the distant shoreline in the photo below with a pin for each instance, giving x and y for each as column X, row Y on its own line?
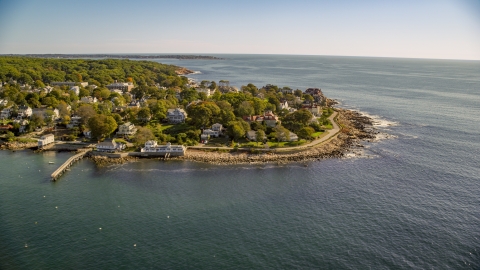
column 121, row 56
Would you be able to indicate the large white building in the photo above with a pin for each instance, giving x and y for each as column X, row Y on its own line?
column 176, row 115
column 46, row 140
column 153, row 147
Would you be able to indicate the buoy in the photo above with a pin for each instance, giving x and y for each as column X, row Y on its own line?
column 35, row 222
column 134, row 245
column 56, row 207
column 100, row 228
column 168, row 216
column 44, row 196
column 26, row 245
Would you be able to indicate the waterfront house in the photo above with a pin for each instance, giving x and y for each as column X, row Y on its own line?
column 46, row 140
column 211, row 132
column 110, row 146
column 127, row 129
column 293, row 137
column 218, row 127
column 284, row 104
column 173, row 150
column 314, row 108
column 176, row 115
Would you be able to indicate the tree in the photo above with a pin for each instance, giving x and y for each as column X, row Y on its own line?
column 86, row 111
column 281, row 133
column 308, row 98
column 245, row 109
column 298, row 93
column 144, row 114
column 35, row 121
column 305, row 133
column 260, row 135
column 143, row 135
column 101, row 125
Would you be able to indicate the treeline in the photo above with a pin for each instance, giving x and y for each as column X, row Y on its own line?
column 39, row 71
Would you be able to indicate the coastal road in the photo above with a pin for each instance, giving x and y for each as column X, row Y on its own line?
column 329, row 134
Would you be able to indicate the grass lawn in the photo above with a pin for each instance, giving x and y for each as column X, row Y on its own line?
column 220, row 141
column 329, row 126
column 272, row 144
column 174, row 129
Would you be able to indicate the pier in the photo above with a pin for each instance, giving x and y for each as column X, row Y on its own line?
column 57, row 173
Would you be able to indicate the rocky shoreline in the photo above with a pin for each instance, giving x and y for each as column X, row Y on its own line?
column 17, row 145
column 355, row 129
column 183, row 71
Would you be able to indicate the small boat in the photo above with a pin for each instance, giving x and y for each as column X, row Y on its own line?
column 51, row 162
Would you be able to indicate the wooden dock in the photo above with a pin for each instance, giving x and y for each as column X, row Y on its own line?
column 57, row 173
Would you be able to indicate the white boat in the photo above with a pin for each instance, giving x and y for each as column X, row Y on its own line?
column 51, row 162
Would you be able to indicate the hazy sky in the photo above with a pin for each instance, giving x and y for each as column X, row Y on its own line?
column 403, row 28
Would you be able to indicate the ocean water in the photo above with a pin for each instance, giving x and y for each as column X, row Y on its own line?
column 411, row 200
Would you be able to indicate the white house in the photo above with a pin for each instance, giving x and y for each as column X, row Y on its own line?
column 153, row 147
column 176, row 115
column 24, row 111
column 74, row 121
column 207, row 91
column 127, row 129
column 6, row 113
column 46, row 140
column 218, row 127
column 110, row 146
column 284, row 105
column 293, row 137
column 211, row 133
column 23, row 124
column 75, row 89
column 48, row 89
column 89, row 99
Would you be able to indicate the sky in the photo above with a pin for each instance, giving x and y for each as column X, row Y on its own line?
column 440, row 29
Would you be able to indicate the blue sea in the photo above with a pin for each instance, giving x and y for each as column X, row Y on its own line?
column 411, row 200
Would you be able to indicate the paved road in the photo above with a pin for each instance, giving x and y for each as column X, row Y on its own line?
column 327, row 136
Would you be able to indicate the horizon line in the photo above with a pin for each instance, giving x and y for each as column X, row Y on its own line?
column 206, row 54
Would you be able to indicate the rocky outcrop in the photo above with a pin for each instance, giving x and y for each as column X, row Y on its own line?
column 18, row 145
column 183, row 71
column 102, row 161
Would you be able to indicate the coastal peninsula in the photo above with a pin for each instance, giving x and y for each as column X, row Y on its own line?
column 123, row 109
